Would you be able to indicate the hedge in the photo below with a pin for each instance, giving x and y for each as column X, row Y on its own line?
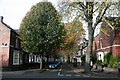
column 110, row 61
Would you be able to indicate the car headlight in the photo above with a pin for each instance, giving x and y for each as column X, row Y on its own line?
column 50, row 66
column 55, row 65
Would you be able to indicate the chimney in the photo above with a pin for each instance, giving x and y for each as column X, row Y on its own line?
column 1, row 18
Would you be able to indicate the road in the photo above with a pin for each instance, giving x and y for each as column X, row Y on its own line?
column 66, row 71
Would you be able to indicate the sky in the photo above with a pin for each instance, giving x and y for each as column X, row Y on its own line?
column 14, row 11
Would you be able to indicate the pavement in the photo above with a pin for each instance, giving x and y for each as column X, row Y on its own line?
column 23, row 71
column 108, row 72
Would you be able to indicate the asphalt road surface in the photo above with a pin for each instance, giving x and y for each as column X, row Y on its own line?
column 65, row 72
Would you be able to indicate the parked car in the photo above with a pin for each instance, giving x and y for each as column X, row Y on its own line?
column 54, row 65
column 119, row 66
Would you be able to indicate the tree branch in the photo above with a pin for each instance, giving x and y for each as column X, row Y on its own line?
column 77, row 17
column 100, row 15
column 95, row 9
column 98, row 7
column 82, row 5
column 104, row 10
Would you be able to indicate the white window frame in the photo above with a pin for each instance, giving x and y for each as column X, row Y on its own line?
column 20, row 58
column 15, row 52
column 30, row 58
column 38, row 59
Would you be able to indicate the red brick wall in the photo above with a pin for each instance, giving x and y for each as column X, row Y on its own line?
column 116, row 43
column 110, row 42
column 4, row 38
column 116, row 51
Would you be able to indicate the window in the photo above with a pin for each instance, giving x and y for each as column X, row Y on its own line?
column 20, row 58
column 15, row 57
column 35, row 58
column 38, row 59
column 31, row 58
column 17, row 43
column 26, row 58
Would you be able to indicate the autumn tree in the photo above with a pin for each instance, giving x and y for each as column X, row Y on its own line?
column 92, row 13
column 74, row 30
column 41, row 30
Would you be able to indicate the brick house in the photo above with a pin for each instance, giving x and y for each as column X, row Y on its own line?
column 10, row 50
column 108, row 40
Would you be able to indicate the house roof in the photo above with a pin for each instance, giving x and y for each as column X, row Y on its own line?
column 108, row 21
column 16, row 30
column 1, row 17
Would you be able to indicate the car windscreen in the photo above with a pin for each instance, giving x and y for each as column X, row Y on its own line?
column 52, row 62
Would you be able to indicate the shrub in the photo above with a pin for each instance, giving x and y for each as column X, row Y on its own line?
column 99, row 62
column 113, row 62
column 107, row 58
column 110, row 61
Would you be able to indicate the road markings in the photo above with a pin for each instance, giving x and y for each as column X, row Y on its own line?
column 60, row 74
column 77, row 75
column 68, row 75
column 54, row 70
column 86, row 76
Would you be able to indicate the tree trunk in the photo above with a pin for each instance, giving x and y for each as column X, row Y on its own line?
column 40, row 62
column 89, row 16
column 89, row 47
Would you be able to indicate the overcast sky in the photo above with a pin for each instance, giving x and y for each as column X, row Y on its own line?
column 13, row 11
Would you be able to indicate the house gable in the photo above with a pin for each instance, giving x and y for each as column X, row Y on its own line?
column 108, row 40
